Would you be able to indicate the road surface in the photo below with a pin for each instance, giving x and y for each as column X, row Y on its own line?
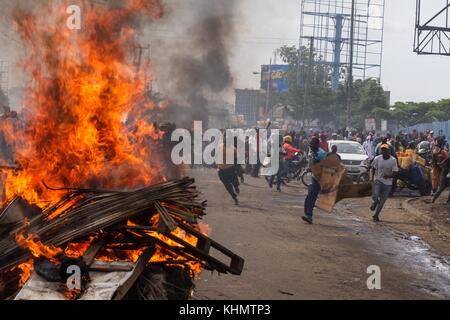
column 288, row 259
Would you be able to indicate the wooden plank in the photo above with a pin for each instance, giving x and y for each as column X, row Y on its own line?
column 91, row 253
column 166, row 217
column 139, row 267
column 354, row 191
column 203, row 248
column 111, row 266
column 204, row 244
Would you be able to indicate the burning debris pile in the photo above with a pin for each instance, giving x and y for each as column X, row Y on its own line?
column 93, row 229
column 130, row 231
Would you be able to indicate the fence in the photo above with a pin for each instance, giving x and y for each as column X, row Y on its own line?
column 439, row 128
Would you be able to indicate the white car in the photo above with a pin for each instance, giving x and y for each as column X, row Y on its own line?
column 353, row 156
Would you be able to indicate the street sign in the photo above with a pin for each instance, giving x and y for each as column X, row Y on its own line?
column 371, row 125
column 384, row 126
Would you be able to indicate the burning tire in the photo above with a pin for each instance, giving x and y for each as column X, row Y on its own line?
column 166, row 283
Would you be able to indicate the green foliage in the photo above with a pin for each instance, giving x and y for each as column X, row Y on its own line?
column 369, row 99
column 381, row 113
column 321, row 102
column 412, row 113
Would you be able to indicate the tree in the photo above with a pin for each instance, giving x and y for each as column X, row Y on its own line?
column 412, row 113
column 309, row 87
column 321, row 102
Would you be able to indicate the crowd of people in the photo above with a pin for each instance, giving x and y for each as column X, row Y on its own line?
column 315, row 146
column 382, row 152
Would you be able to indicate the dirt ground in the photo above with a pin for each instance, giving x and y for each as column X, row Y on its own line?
column 288, row 259
column 429, row 222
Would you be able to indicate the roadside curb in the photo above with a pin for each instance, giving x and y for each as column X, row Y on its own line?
column 408, row 207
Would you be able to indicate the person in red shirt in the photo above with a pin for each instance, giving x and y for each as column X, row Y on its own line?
column 290, row 154
column 290, row 150
column 324, row 143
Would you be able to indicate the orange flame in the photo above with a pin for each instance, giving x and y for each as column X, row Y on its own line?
column 37, row 248
column 82, row 124
column 27, row 268
column 83, row 88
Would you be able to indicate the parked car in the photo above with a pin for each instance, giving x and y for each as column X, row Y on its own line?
column 353, row 156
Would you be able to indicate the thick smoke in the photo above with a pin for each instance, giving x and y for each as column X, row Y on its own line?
column 191, row 54
column 190, row 50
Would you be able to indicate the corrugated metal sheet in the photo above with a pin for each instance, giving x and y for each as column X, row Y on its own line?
column 435, row 126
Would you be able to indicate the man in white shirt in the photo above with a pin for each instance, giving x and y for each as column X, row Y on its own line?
column 386, row 169
column 369, row 146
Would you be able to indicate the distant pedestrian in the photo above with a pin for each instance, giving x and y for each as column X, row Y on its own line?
column 257, row 166
column 369, row 146
column 439, row 163
column 323, row 144
column 334, row 151
column 290, row 155
column 444, row 183
column 279, row 174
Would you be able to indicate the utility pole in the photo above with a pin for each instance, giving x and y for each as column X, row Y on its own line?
column 308, row 78
column 350, row 69
column 269, row 87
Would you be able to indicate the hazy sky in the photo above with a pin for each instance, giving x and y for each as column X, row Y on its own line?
column 410, row 77
column 264, row 25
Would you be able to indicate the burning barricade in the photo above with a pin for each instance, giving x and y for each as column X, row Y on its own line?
column 118, row 226
column 124, row 235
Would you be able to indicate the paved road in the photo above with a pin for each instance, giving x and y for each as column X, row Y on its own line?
column 287, row 259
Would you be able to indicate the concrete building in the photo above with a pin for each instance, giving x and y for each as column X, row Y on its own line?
column 248, row 103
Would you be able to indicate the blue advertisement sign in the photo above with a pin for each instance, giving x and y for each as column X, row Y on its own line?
column 279, row 77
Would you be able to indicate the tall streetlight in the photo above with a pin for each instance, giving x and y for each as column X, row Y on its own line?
column 268, row 88
column 350, row 71
column 308, row 78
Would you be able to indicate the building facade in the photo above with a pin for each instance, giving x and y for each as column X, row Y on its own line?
column 248, row 103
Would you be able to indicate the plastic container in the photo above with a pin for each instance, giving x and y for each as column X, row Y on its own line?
column 421, row 161
column 406, row 162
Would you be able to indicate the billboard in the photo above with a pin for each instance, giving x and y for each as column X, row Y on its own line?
column 384, row 126
column 371, row 125
column 279, row 77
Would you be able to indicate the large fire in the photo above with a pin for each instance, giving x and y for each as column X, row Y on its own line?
column 83, row 87
column 74, row 132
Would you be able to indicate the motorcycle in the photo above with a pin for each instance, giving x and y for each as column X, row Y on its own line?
column 365, row 176
column 297, row 167
column 424, row 150
column 298, row 170
column 415, row 178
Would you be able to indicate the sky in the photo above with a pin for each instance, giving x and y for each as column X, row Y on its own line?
column 265, row 25
column 268, row 24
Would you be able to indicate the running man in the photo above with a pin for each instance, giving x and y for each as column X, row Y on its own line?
column 386, row 169
column 315, row 156
column 227, row 172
